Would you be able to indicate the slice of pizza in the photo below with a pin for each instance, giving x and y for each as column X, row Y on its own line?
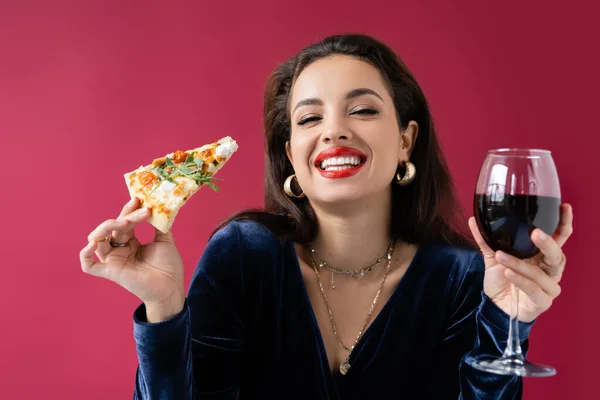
column 168, row 183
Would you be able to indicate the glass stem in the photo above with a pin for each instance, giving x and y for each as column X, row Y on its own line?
column 513, row 347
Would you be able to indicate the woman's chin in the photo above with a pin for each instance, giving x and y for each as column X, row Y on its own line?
column 350, row 193
column 339, row 196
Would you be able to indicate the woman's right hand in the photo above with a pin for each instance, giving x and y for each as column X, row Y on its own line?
column 153, row 271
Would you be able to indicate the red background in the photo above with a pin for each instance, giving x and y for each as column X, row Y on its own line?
column 92, row 89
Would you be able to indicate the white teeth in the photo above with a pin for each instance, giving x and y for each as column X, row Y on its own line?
column 336, row 163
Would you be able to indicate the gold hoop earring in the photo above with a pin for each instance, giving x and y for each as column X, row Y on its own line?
column 409, row 174
column 287, row 188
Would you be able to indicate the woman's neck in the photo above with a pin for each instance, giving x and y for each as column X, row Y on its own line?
column 353, row 236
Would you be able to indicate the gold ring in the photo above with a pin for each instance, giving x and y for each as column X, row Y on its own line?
column 114, row 244
column 488, row 255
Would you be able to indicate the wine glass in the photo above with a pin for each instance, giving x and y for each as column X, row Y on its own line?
column 517, row 191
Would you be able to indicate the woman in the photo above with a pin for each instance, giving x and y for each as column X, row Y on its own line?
column 355, row 282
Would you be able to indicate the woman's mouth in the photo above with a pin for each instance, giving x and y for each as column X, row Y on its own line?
column 339, row 162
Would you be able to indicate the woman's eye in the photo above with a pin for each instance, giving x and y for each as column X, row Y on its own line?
column 308, row 119
column 363, row 111
column 368, row 111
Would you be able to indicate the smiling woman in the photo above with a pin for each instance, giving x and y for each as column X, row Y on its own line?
column 365, row 82
column 355, row 281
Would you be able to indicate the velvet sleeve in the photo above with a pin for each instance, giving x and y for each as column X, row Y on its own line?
column 476, row 328
column 197, row 353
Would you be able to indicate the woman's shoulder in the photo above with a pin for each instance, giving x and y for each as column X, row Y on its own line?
column 247, row 236
column 459, row 253
column 237, row 247
column 454, row 269
column 453, row 259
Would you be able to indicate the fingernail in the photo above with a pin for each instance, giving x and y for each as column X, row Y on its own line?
column 503, row 257
column 542, row 236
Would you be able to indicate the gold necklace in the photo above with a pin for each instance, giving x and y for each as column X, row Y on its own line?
column 345, row 366
column 361, row 272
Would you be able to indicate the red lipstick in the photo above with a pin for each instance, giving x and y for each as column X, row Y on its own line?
column 339, row 152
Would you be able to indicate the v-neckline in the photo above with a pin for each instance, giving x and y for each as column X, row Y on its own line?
column 321, row 342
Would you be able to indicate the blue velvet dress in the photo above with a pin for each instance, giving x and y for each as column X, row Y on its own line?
column 248, row 331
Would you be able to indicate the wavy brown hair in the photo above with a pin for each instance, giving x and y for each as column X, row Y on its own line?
column 424, row 211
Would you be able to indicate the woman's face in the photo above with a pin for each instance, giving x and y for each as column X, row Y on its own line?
column 345, row 140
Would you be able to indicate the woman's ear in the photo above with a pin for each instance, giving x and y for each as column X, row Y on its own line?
column 288, row 151
column 408, row 138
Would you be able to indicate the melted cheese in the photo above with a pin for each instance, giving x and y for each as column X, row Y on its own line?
column 226, row 149
column 172, row 199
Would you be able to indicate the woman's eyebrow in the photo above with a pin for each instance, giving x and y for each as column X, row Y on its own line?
column 350, row 95
column 360, row 92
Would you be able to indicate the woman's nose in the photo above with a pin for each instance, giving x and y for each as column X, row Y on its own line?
column 336, row 130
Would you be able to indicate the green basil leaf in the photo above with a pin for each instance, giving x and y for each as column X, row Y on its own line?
column 213, row 186
column 190, row 158
column 152, row 191
column 162, row 173
column 185, row 169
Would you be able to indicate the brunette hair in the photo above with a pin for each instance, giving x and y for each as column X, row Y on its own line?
column 424, row 211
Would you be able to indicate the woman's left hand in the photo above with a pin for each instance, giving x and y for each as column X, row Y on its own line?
column 537, row 277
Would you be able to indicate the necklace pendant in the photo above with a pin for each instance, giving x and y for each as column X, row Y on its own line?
column 345, row 366
column 332, row 282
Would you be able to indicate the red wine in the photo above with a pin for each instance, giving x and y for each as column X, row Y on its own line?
column 506, row 222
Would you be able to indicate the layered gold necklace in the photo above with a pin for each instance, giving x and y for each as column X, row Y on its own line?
column 353, row 273
column 345, row 366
